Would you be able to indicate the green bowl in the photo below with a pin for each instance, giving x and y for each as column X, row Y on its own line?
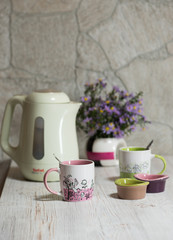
column 131, row 189
column 130, row 182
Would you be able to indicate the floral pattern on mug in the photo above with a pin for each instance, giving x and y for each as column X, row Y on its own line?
column 75, row 190
column 136, row 168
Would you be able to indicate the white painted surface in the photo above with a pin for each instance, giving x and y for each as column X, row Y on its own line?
column 29, row 212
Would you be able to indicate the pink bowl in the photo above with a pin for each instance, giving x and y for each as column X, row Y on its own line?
column 156, row 181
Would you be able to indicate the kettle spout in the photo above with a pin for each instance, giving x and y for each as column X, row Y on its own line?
column 78, row 104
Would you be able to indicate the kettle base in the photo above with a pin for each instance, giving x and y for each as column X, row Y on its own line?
column 37, row 174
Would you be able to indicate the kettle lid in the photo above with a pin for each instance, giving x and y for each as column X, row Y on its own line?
column 47, row 96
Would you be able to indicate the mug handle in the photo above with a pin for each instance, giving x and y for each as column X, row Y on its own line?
column 163, row 160
column 45, row 180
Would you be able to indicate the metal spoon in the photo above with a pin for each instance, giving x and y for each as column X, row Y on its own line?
column 149, row 145
column 57, row 158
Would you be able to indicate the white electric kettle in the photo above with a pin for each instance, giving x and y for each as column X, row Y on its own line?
column 47, row 130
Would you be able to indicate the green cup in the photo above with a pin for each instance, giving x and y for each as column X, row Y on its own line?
column 133, row 160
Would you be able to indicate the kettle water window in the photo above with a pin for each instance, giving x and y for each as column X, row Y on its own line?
column 38, row 143
column 14, row 133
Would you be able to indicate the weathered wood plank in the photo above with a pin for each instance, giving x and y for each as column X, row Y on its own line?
column 28, row 211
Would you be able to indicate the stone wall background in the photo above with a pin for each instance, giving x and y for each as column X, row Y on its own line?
column 62, row 44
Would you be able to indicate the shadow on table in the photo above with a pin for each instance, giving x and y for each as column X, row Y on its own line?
column 114, row 195
column 16, row 174
column 4, row 168
column 49, row 197
column 113, row 178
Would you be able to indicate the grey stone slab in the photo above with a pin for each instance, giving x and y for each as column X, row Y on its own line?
column 158, row 54
column 170, row 48
column 42, row 6
column 4, row 33
column 67, row 86
column 154, row 78
column 14, row 73
column 84, row 76
column 90, row 54
column 136, row 27
column 160, row 133
column 87, row 76
column 91, row 13
column 45, row 45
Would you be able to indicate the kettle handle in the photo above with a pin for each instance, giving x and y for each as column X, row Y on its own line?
column 6, row 123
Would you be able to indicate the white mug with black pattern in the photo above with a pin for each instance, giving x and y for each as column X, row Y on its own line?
column 76, row 180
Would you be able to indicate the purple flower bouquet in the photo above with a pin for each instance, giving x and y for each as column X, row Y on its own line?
column 109, row 114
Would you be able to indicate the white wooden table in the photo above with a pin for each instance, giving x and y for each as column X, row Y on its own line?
column 29, row 212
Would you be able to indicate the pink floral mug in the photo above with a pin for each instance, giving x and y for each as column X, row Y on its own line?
column 76, row 180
